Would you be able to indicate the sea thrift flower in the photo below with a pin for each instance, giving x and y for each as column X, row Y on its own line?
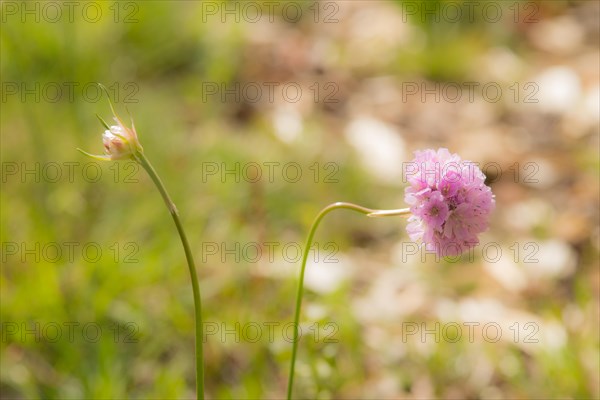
column 449, row 206
column 450, row 203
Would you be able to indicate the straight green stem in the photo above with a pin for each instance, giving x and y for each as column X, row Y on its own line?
column 350, row 206
column 141, row 158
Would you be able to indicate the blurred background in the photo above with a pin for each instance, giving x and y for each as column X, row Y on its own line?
column 257, row 115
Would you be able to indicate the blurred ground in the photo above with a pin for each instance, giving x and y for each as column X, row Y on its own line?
column 255, row 124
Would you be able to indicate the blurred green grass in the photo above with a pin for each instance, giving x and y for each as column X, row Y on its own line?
column 165, row 58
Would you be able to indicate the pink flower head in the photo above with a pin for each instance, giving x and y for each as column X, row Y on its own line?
column 450, row 203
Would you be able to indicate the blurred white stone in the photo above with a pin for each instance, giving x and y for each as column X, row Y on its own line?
column 380, row 147
column 525, row 215
column 391, row 296
column 552, row 335
column 586, row 116
column 550, row 259
column 325, row 277
column 315, row 312
column 287, row 123
column 323, row 369
column 483, row 309
column 501, row 64
column 559, row 89
column 562, row 35
column 507, row 273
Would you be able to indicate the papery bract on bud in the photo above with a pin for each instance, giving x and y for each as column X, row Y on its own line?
column 450, row 203
column 120, row 142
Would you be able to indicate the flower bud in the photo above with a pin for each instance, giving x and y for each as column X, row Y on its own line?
column 120, row 142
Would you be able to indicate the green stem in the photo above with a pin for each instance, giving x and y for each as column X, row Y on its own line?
column 367, row 211
column 144, row 162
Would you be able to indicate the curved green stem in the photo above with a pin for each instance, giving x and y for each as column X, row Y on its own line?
column 364, row 210
column 141, row 158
